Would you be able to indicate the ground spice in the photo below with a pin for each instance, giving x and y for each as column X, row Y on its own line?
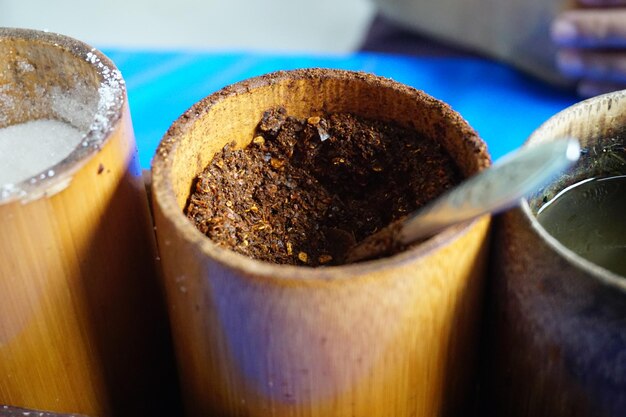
column 306, row 190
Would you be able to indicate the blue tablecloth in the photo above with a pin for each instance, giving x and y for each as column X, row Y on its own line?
column 502, row 104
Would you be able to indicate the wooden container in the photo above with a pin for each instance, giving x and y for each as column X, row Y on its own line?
column 558, row 334
column 82, row 324
column 392, row 337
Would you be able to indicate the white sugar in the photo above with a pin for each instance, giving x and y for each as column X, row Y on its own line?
column 34, row 147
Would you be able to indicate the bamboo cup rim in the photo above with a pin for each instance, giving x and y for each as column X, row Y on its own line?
column 164, row 195
column 104, row 116
column 604, row 110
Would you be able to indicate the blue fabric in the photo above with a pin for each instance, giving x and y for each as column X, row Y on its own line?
column 502, row 104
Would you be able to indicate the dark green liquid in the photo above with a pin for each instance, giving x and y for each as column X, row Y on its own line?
column 589, row 218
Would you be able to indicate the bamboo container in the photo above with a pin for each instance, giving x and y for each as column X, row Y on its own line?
column 82, row 323
column 392, row 337
column 558, row 331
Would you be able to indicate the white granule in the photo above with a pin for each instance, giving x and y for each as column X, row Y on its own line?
column 30, row 148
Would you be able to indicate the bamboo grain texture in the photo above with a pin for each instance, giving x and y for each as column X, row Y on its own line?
column 82, row 325
column 394, row 337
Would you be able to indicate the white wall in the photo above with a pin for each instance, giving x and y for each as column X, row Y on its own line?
column 268, row 25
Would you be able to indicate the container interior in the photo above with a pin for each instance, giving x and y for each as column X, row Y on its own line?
column 233, row 114
column 47, row 76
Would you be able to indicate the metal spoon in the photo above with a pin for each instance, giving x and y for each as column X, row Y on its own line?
column 495, row 189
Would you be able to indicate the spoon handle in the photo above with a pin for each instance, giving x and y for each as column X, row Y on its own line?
column 495, row 189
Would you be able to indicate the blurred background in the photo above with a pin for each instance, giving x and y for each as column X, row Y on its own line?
column 328, row 26
column 173, row 53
